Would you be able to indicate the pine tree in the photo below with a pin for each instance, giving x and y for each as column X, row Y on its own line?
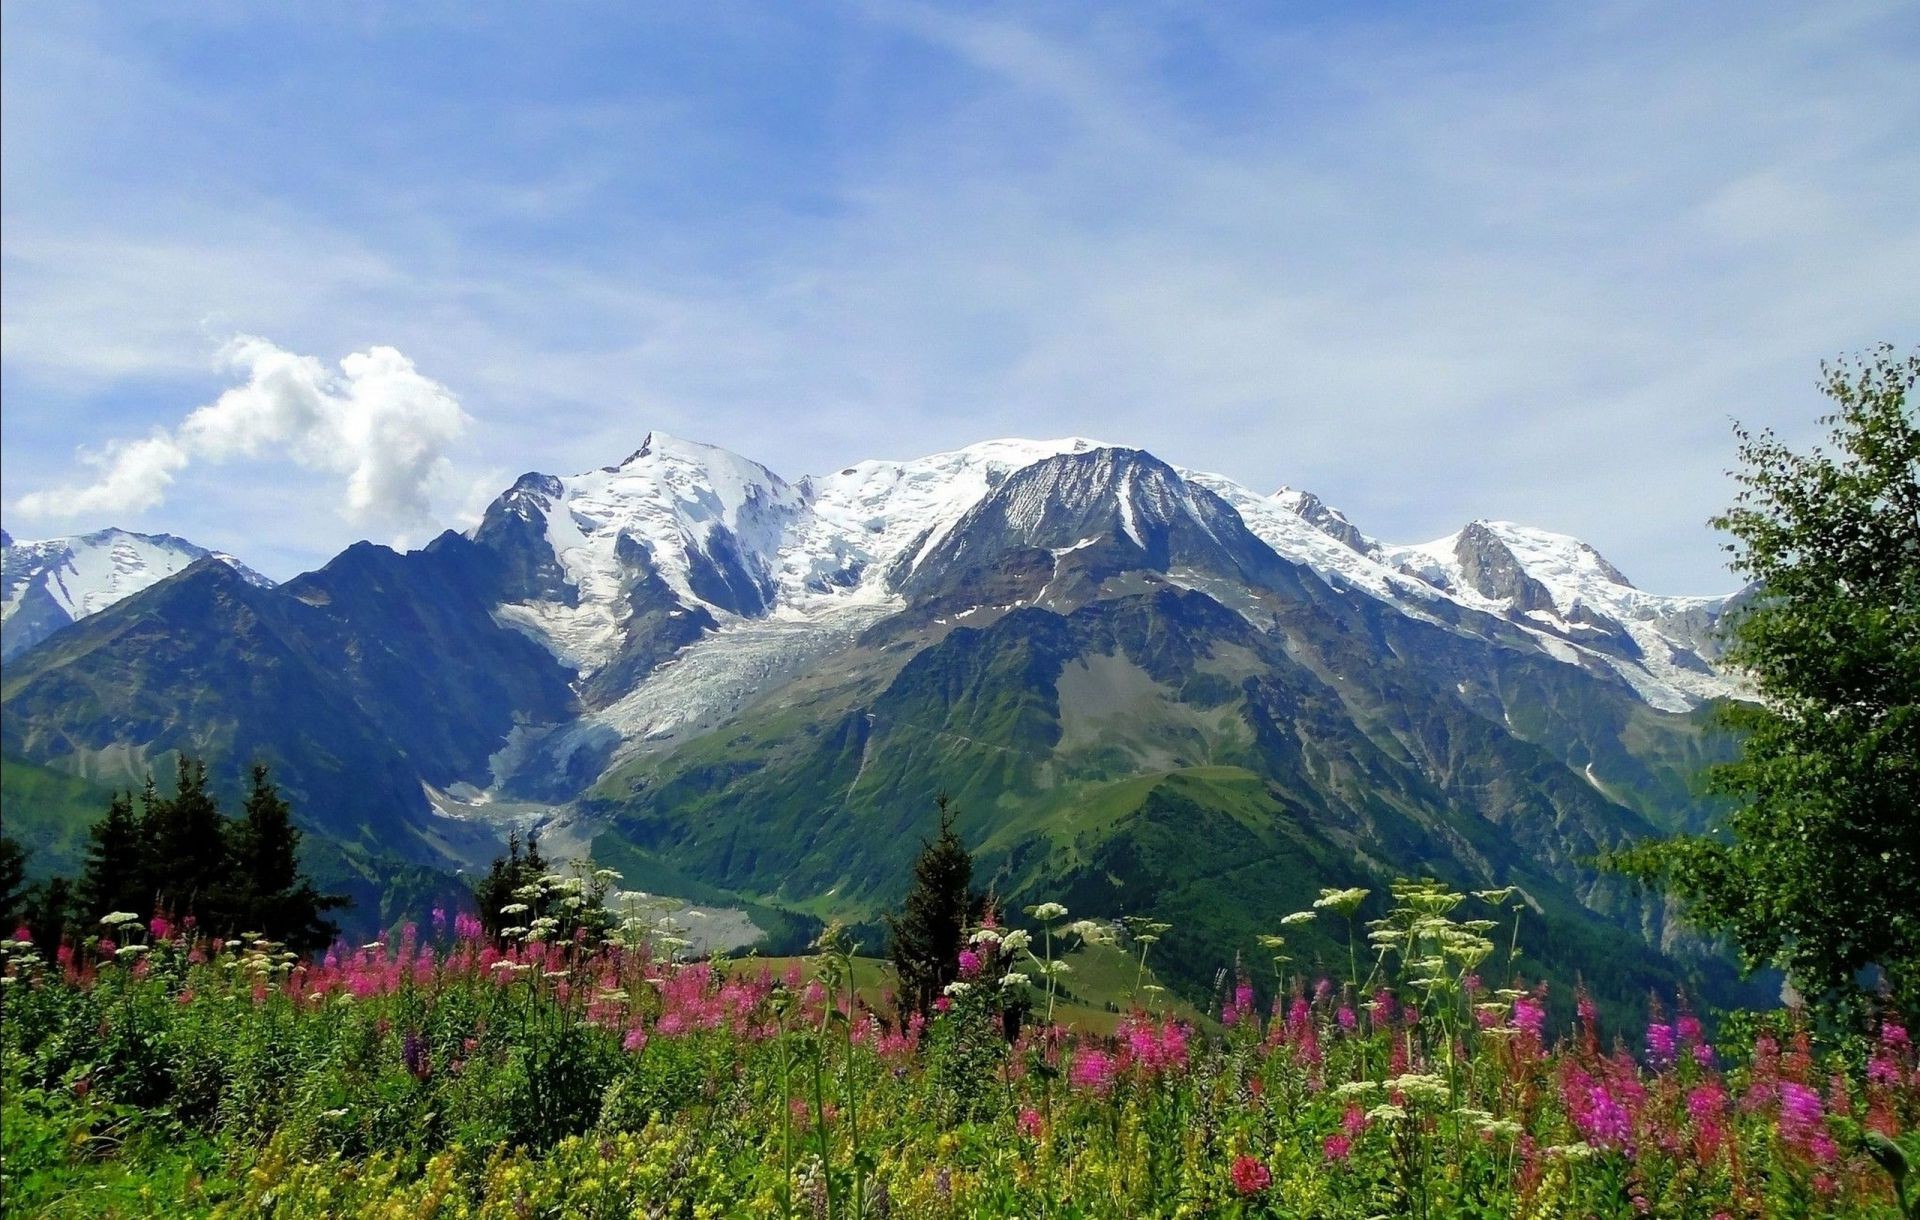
column 50, row 910
column 511, row 870
column 116, row 876
column 13, row 878
column 188, row 836
column 266, row 890
column 927, row 935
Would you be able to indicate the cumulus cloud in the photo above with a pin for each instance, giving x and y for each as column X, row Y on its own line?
column 378, row 422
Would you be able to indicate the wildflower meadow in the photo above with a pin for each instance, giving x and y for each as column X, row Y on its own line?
column 550, row 1072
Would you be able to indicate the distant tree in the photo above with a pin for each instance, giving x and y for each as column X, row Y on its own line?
column 266, row 889
column 181, row 855
column 927, row 934
column 187, row 839
column 512, row 870
column 1818, row 869
column 115, row 875
column 13, row 883
column 50, row 911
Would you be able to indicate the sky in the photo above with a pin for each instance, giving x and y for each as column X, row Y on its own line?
column 277, row 278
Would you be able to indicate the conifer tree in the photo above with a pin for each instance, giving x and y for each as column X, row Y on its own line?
column 116, row 875
column 188, row 838
column 267, row 891
column 511, row 870
column 927, row 935
column 49, row 911
column 13, row 878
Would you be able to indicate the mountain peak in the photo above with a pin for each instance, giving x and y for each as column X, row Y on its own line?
column 50, row 582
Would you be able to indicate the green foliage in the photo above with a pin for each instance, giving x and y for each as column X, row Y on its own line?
column 927, row 934
column 13, row 881
column 48, row 812
column 182, row 857
column 118, row 876
column 166, row 1077
column 511, row 871
column 1818, row 868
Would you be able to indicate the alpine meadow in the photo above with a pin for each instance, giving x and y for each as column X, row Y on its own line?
column 1033, row 827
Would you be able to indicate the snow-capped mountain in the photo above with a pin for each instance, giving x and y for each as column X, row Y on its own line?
column 720, row 540
column 1569, row 596
column 46, row 584
column 1137, row 679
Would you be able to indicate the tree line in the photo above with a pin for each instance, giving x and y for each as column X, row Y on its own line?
column 180, row 856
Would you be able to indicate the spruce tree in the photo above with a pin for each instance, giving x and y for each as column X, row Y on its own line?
column 116, row 875
column 510, row 870
column 49, row 911
column 189, row 841
column 927, row 935
column 13, row 878
column 266, row 891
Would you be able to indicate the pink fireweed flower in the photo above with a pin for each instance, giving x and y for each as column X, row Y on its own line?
column 1354, row 1121
column 1029, row 1123
column 1530, row 1016
column 969, row 964
column 1803, row 1121
column 1385, row 1008
column 1764, row 1077
column 1839, row 1097
column 1347, row 1018
column 1093, row 1070
column 1883, row 1069
column 1660, row 1045
column 160, row 927
column 1606, row 1123
column 1706, row 1108
column 1688, row 1027
column 635, row 1041
column 1250, row 1175
column 1336, row 1148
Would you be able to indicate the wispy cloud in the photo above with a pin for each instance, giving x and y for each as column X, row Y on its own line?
column 1521, row 263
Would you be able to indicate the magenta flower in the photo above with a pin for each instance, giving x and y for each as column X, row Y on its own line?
column 1029, row 1123
column 1529, row 1016
column 1803, row 1121
column 1250, row 1175
column 1660, row 1045
column 1336, row 1148
column 1354, row 1121
column 1094, row 1070
column 969, row 964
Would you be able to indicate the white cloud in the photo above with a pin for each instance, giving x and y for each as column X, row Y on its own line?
column 378, row 422
column 134, row 477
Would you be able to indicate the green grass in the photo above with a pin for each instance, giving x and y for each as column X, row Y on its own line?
column 49, row 812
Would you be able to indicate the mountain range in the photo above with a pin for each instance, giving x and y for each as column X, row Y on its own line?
column 1148, row 689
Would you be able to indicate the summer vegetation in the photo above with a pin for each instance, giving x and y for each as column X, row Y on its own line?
column 151, row 1069
column 174, row 1043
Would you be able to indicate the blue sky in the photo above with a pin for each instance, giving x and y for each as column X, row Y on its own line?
column 1434, row 262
